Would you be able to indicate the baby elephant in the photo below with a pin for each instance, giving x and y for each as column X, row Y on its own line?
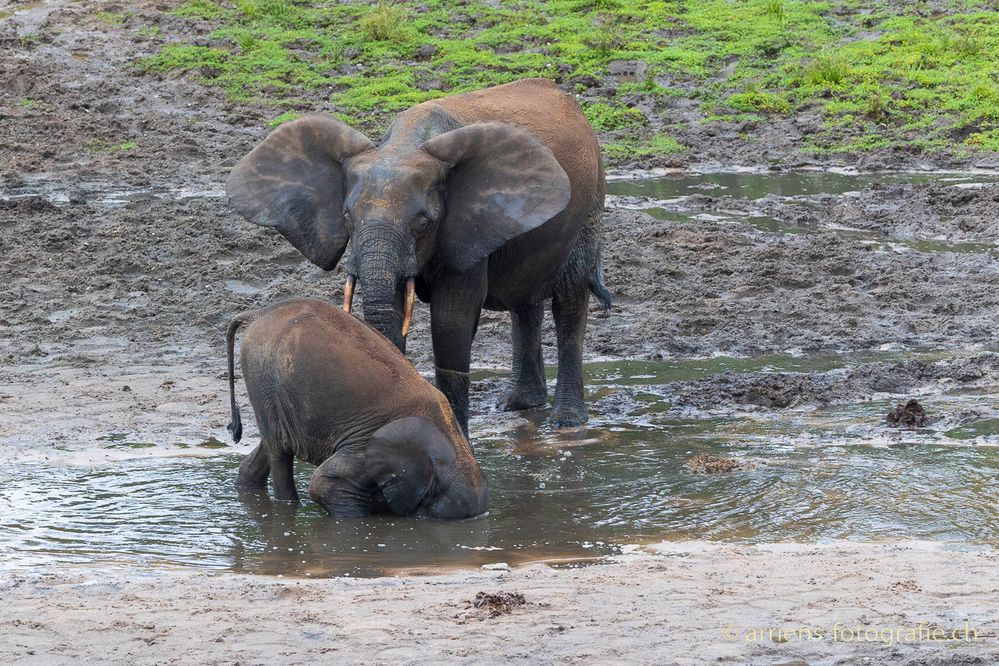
column 328, row 389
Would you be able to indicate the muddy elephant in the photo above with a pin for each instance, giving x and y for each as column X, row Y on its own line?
column 488, row 199
column 329, row 390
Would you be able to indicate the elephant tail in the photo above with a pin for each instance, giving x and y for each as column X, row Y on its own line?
column 595, row 281
column 595, row 251
column 235, row 426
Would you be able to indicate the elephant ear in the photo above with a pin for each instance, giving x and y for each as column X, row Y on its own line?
column 502, row 182
column 403, row 458
column 293, row 181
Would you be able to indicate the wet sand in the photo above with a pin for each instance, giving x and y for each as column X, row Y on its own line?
column 682, row 604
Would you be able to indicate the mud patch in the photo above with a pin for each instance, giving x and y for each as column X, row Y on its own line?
column 781, row 390
column 705, row 463
column 489, row 605
column 910, row 415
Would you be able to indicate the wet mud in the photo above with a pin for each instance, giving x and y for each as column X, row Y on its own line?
column 911, row 414
column 494, row 604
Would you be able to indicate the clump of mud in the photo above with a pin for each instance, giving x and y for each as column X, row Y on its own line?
column 494, row 604
column 781, row 390
column 705, row 463
column 911, row 415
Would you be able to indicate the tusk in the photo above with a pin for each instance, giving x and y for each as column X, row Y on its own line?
column 407, row 318
column 348, row 293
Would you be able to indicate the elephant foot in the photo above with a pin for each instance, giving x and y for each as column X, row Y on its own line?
column 516, row 400
column 253, row 470
column 563, row 417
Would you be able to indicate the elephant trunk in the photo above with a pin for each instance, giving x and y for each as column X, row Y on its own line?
column 385, row 318
column 385, row 272
column 467, row 494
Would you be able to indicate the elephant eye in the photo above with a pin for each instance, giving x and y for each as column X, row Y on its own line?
column 420, row 223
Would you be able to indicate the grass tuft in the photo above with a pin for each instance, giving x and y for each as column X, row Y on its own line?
column 606, row 117
column 386, row 23
column 110, row 18
column 285, row 117
column 660, row 145
column 827, row 70
column 775, row 9
column 202, row 9
column 753, row 100
column 103, row 146
column 606, row 36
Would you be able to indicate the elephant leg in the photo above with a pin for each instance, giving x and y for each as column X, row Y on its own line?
column 275, row 453
column 454, row 318
column 570, row 309
column 254, row 469
column 341, row 484
column 283, row 476
column 527, row 382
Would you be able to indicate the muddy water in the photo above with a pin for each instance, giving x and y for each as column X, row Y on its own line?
column 670, row 197
column 817, row 474
column 102, row 193
column 755, row 185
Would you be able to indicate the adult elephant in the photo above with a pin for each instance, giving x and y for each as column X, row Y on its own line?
column 488, row 199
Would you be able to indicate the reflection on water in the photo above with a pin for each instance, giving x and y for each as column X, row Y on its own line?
column 819, row 474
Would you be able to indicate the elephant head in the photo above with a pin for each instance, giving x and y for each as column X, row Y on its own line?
column 420, row 471
column 433, row 196
column 416, row 468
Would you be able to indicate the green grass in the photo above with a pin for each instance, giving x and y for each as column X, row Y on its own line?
column 757, row 100
column 879, row 75
column 285, row 117
column 611, row 117
column 660, row 145
column 386, row 23
column 775, row 8
column 110, row 18
column 104, row 146
column 827, row 70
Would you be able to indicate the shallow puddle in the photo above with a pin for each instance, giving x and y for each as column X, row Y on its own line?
column 660, row 196
column 101, row 193
column 817, row 474
column 756, row 185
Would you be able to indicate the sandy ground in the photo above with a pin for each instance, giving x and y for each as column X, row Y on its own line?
column 111, row 318
column 687, row 604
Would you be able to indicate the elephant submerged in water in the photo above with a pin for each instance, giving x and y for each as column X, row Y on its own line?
column 488, row 199
column 329, row 390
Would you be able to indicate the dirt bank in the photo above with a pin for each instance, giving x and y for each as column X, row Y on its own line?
column 689, row 604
